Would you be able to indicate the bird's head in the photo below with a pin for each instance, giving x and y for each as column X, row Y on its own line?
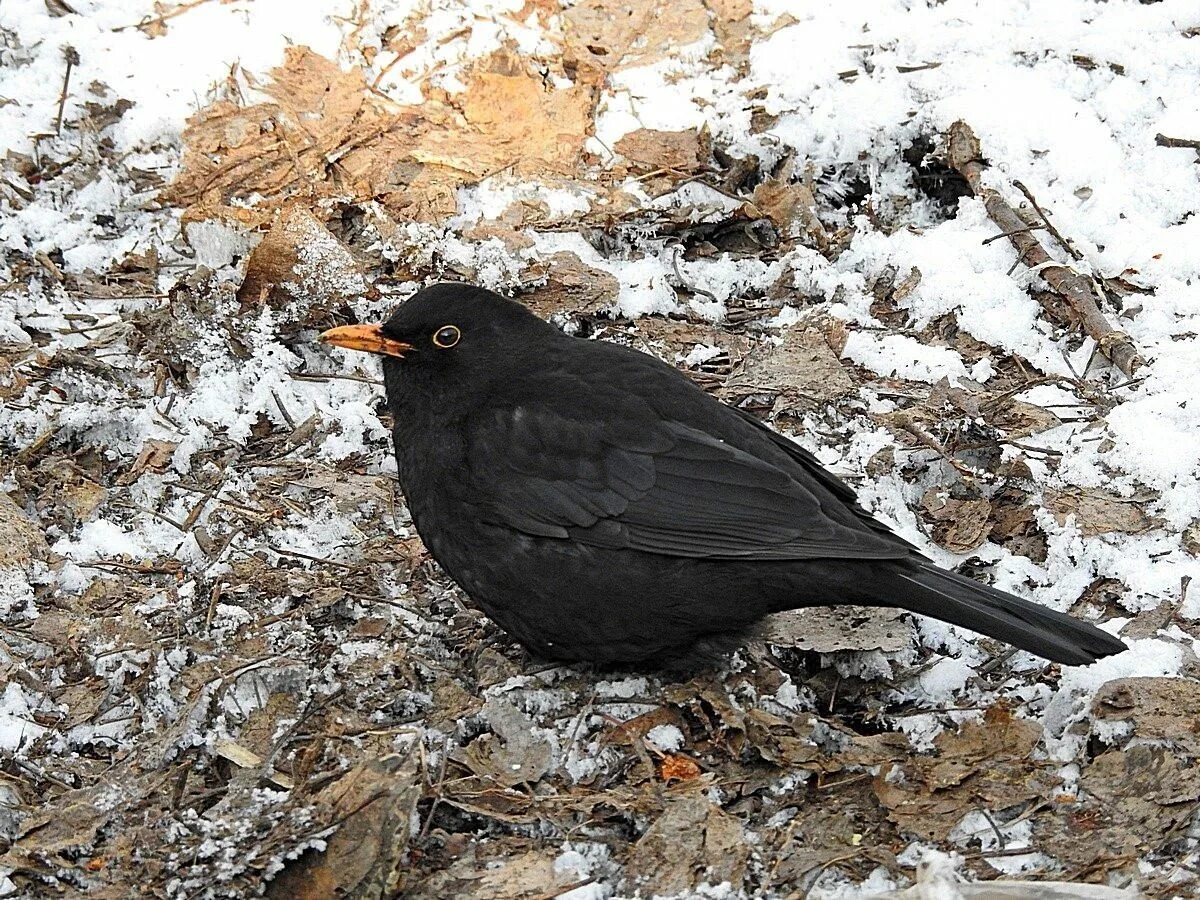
column 447, row 334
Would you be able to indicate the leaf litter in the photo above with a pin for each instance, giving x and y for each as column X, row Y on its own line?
column 229, row 665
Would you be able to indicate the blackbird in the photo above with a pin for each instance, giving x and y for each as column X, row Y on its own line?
column 599, row 506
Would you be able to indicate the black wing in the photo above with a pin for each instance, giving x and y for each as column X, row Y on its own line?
column 611, row 478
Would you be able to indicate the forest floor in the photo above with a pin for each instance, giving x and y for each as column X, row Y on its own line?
column 949, row 247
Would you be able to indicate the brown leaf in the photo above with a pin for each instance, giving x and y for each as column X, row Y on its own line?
column 511, row 754
column 1147, row 791
column 20, row 538
column 802, row 366
column 1162, row 710
column 603, row 38
column 692, row 842
column 573, row 287
column 677, row 150
column 792, row 207
column 324, row 133
column 299, row 258
column 373, row 805
column 154, row 456
column 958, row 525
column 1098, row 512
column 675, row 767
column 986, row 761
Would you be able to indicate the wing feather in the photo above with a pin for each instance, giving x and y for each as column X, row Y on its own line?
column 642, row 483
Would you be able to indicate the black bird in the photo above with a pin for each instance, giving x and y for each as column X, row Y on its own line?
column 599, row 506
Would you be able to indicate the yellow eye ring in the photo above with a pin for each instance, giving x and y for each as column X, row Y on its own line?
column 446, row 336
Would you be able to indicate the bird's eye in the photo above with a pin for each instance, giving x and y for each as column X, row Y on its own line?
column 446, row 336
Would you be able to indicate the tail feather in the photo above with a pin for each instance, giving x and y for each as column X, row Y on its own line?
column 962, row 601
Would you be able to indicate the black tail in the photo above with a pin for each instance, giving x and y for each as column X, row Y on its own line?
column 961, row 601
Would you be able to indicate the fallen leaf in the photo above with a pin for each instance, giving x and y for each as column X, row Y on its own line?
column 512, row 754
column 825, row 629
column 675, row 767
column 802, row 366
column 154, row 456
column 792, row 207
column 958, row 525
column 21, row 540
column 323, row 133
column 1162, row 710
column 372, row 806
column 987, row 762
column 692, row 842
column 573, row 287
column 602, row 38
column 656, row 150
column 299, row 258
column 1097, row 511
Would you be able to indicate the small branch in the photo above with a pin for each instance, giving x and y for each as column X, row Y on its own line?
column 1186, row 143
column 1062, row 241
column 72, row 57
column 1078, row 290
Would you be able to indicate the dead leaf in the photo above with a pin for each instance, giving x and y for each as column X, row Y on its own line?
column 21, row 540
column 802, row 366
column 1097, row 511
column 373, row 806
column 675, row 767
column 823, row 629
column 958, row 525
column 573, row 287
column 656, row 150
column 505, row 873
column 988, row 762
column 512, row 754
column 154, row 456
column 792, row 207
column 1162, row 710
column 692, row 842
column 603, row 38
column 324, row 133
column 1145, row 789
column 299, row 258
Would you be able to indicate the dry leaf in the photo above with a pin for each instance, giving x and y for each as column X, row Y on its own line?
column 958, row 525
column 825, row 629
column 792, row 207
column 803, row 365
column 675, row 767
column 512, row 754
column 324, row 133
column 373, row 804
column 984, row 762
column 1162, row 710
column 1098, row 512
column 299, row 258
column 692, row 842
column 20, row 538
column 154, row 456
column 677, row 150
column 602, row 37
column 573, row 286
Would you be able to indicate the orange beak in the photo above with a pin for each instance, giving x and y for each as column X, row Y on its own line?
column 368, row 338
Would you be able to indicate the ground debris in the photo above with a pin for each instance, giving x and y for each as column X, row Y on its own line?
column 692, row 842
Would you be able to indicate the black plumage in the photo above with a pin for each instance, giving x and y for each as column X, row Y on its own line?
column 599, row 506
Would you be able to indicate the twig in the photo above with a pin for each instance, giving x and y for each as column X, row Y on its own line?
column 1004, row 234
column 72, row 57
column 1185, row 143
column 1078, row 290
column 148, row 21
column 1062, row 241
